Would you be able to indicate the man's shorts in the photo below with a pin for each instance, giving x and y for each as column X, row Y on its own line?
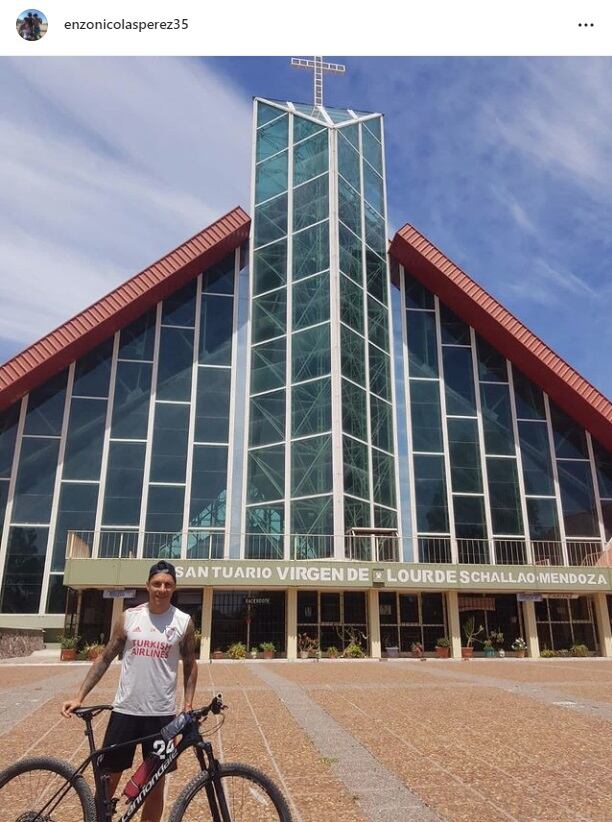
column 124, row 728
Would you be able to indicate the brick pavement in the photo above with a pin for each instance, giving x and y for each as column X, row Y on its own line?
column 473, row 742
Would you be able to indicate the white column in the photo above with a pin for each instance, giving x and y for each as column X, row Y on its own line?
column 116, row 612
column 207, row 604
column 531, row 630
column 602, row 620
column 374, row 623
column 454, row 627
column 292, row 623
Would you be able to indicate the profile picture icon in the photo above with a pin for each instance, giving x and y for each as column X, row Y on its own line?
column 32, row 24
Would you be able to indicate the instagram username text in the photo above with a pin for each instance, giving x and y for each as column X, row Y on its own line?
column 128, row 25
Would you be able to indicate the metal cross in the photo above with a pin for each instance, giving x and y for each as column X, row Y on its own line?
column 319, row 67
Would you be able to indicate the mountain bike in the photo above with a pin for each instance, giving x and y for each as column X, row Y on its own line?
column 45, row 789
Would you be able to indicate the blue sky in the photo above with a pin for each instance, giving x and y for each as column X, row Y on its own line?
column 505, row 164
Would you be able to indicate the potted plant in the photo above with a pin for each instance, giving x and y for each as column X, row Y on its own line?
column 94, row 650
column 547, row 653
column 497, row 638
column 579, row 650
column 306, row 645
column 268, row 649
column 237, row 650
column 353, row 651
column 218, row 654
column 417, row 651
column 391, row 649
column 68, row 646
column 471, row 636
column 443, row 646
column 332, row 652
column 253, row 653
column 488, row 648
column 519, row 646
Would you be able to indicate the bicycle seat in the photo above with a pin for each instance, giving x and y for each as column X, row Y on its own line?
column 91, row 710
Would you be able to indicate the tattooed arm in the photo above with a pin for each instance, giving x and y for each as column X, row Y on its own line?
column 190, row 666
column 115, row 646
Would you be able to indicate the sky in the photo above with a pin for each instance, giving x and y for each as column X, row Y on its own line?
column 505, row 164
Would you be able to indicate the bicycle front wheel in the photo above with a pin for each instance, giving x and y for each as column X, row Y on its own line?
column 38, row 789
column 250, row 796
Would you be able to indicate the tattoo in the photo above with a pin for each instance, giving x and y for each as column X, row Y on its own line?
column 190, row 665
column 114, row 647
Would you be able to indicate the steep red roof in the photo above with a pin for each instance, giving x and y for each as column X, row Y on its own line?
column 577, row 397
column 126, row 303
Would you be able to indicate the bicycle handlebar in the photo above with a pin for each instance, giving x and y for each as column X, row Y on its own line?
column 215, row 707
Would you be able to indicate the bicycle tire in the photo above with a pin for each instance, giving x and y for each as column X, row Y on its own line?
column 227, row 770
column 52, row 765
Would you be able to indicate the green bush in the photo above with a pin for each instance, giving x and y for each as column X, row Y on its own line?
column 579, row 650
column 354, row 651
column 237, row 650
column 547, row 653
column 443, row 642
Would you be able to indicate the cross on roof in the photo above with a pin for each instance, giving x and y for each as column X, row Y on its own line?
column 319, row 67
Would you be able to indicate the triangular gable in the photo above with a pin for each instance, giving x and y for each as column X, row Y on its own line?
column 122, row 306
column 575, row 395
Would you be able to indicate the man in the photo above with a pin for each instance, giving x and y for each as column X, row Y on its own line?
column 152, row 637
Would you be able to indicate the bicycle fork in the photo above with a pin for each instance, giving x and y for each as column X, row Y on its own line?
column 214, row 787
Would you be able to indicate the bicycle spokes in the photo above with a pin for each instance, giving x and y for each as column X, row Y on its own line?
column 245, row 800
column 40, row 796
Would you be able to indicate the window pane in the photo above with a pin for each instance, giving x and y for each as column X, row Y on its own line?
column 56, row 598
column 265, row 525
column 85, row 439
column 268, row 366
column 577, row 499
column 430, row 492
column 330, row 607
column 175, row 364
column 350, row 254
column 356, row 471
column 372, row 149
column 310, row 299
column 454, row 330
column 164, row 519
column 270, row 267
column 504, row 496
column 378, row 324
column 269, row 317
column 137, row 340
column 348, row 161
column 266, row 474
column 376, row 275
column 417, row 296
column 375, row 231
column 497, row 419
column 380, row 373
column 266, row 113
column 351, row 133
column 23, row 573
column 384, row 517
column 311, row 466
column 272, row 138
column 170, row 432
column 464, row 455
column 212, row 405
column 528, row 397
column 271, row 220
column 45, row 410
column 383, row 474
column 356, row 513
column 217, row 320
column 570, row 439
column 310, row 353
column 311, row 251
column 422, row 344
column 352, row 355
column 311, row 407
column 310, row 158
column 459, row 380
column 425, row 413
column 4, row 486
column 220, row 278
column 543, row 523
column 179, row 308
column 382, row 426
column 267, row 418
column 354, row 410
column 92, row 372
column 351, row 304
column 312, row 516
column 271, row 177
column 469, row 517
column 603, row 463
column 208, row 486
column 349, row 207
column 491, row 364
column 311, row 202
column 77, row 512
column 131, row 402
column 535, row 456
column 124, row 476
column 303, row 128
column 8, row 433
column 373, row 188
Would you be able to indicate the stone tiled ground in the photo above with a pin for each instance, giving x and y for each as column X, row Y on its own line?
column 471, row 749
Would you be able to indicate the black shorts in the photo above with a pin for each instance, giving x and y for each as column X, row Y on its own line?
column 124, row 728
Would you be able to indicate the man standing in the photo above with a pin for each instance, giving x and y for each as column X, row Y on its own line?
column 152, row 637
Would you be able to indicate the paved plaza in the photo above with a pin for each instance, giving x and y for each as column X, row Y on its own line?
column 397, row 740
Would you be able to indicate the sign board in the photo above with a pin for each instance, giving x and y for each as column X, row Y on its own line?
column 113, row 593
column 526, row 597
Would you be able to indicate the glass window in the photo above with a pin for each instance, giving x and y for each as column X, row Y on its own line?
column 352, row 355
column 535, row 456
column 454, row 330
column 459, row 381
column 373, row 188
column 92, row 372
column 83, row 455
column 422, row 344
column 124, row 477
column 310, row 158
column 606, row 510
column 378, row 324
column 380, row 373
column 303, row 128
column 430, row 492
column 56, row 598
column 356, row 470
column 350, row 254
column 374, row 126
column 179, row 308
column 310, row 301
column 271, row 220
column 310, row 353
column 375, row 231
column 267, row 418
column 349, row 207
column 266, row 479
column 269, row 317
column 35, row 480
column 272, row 137
column 311, row 202
column 543, row 522
column 348, row 162
column 8, row 433
column 271, row 177
column 384, row 517
column 170, row 433
column 131, row 401
column 311, row 251
column 504, row 496
column 376, row 275
column 351, row 133
column 464, row 455
column 425, row 414
column 354, row 410
column 497, row 419
column 371, row 147
column 469, row 517
column 603, row 463
column 382, row 425
column 311, row 466
column 351, row 304
column 577, row 499
column 212, row 405
column 528, row 397
column 264, row 526
column 491, row 364
column 417, row 296
column 570, row 439
column 383, row 475
column 164, row 521
column 4, row 486
column 23, row 572
column 356, row 514
column 219, row 279
column 330, row 607
column 78, row 503
column 45, row 410
column 270, row 267
column 137, row 340
column 387, row 602
column 311, row 407
column 268, row 366
column 266, row 113
column 208, row 486
column 312, row 516
column 175, row 364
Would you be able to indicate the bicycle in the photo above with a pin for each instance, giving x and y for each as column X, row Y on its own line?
column 45, row 789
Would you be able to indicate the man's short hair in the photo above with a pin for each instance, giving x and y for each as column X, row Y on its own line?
column 163, row 567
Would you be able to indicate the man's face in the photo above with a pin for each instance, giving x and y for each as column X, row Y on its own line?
column 161, row 587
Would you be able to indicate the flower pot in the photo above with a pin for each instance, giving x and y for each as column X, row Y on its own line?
column 392, row 651
column 68, row 654
column 303, row 654
column 489, row 652
column 521, row 654
column 467, row 653
column 218, row 655
column 268, row 654
column 92, row 655
column 442, row 653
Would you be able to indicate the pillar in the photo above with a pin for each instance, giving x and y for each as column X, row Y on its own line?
column 207, row 606
column 116, row 612
column 292, row 623
column 374, row 623
column 454, row 627
column 531, row 630
column 602, row 620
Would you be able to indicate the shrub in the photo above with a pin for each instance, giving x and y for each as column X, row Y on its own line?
column 267, row 646
column 579, row 650
column 443, row 642
column 237, row 650
column 547, row 653
column 332, row 652
column 69, row 642
column 353, row 651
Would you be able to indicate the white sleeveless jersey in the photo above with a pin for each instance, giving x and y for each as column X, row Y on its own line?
column 147, row 686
